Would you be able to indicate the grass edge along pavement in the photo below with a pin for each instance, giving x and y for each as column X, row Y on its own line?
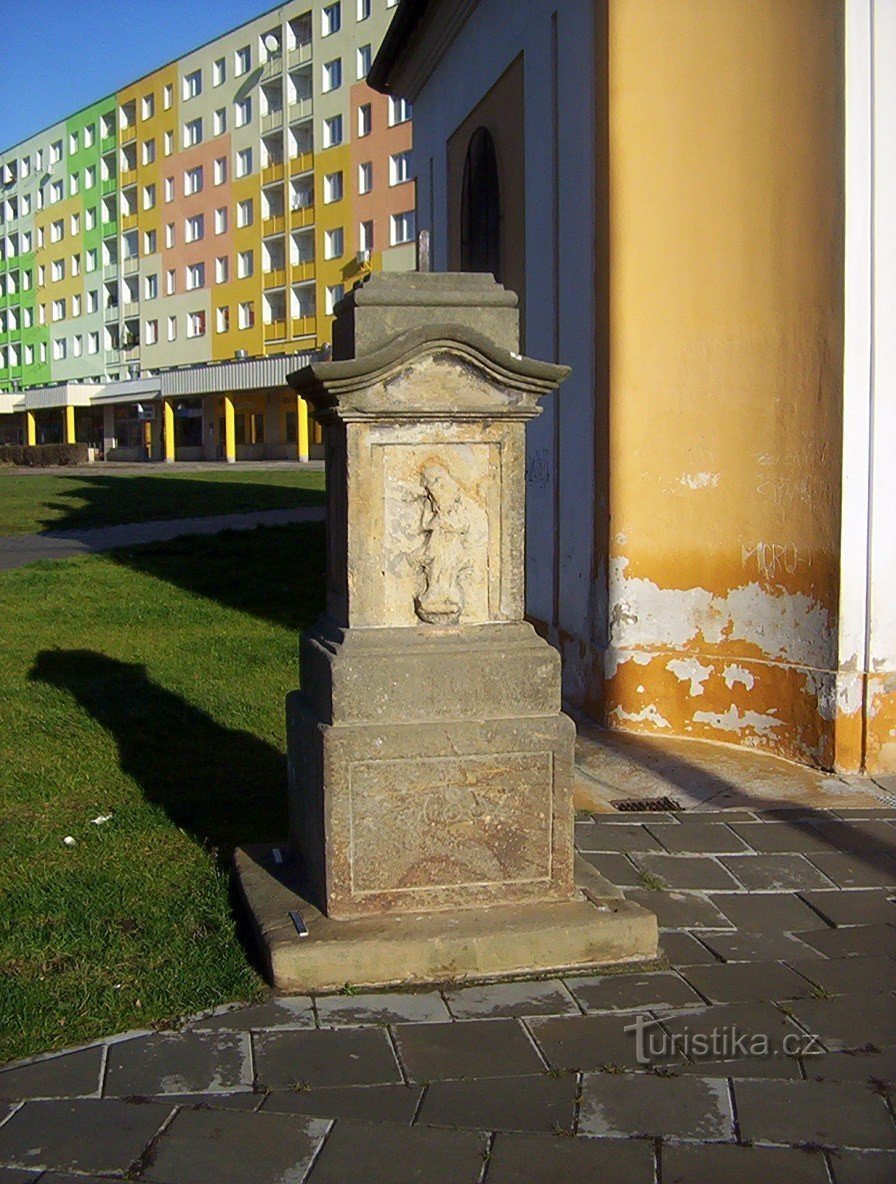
column 31, row 503
column 143, row 688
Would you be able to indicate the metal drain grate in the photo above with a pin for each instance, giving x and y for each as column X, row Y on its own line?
column 654, row 805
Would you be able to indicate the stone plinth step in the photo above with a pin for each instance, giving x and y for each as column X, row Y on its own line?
column 597, row 927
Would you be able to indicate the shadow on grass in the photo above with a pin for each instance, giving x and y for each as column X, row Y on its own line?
column 111, row 501
column 219, row 785
column 277, row 573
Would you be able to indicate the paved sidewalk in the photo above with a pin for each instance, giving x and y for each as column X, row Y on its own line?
column 770, row 1032
column 19, row 550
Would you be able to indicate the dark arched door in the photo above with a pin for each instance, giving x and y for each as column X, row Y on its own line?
column 480, row 234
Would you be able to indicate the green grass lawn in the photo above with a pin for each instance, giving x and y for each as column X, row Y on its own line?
column 30, row 503
column 147, row 685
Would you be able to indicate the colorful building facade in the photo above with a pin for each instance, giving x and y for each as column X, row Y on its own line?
column 210, row 213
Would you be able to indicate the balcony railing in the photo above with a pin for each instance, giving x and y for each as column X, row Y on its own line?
column 302, row 271
column 304, row 326
column 272, row 67
column 130, row 265
column 110, row 312
column 272, row 173
column 276, row 224
column 127, row 177
column 303, row 163
column 128, row 221
column 107, row 143
column 303, row 216
column 130, row 308
column 272, row 121
column 108, row 186
column 300, row 108
column 275, row 278
column 275, row 330
column 125, row 134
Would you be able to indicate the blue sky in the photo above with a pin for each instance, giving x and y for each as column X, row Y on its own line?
column 60, row 55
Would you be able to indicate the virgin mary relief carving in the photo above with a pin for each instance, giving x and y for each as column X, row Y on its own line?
column 439, row 526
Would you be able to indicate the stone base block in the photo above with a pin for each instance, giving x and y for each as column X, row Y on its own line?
column 597, row 927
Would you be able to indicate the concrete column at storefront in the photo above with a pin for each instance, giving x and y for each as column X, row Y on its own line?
column 108, row 430
column 168, row 430
column 68, row 425
column 302, row 434
column 30, row 428
column 229, row 430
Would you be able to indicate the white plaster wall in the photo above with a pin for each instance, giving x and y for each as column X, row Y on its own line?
column 493, row 37
column 868, row 545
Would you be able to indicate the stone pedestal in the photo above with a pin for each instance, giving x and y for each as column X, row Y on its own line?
column 430, row 765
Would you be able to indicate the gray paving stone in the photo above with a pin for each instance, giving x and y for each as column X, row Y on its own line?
column 340, row 1011
column 245, row 1100
column 849, row 1022
column 80, row 1134
column 708, row 838
column 829, row 1113
column 704, row 814
column 680, row 910
column 369, row 1103
column 474, row 1048
column 688, row 871
column 291, row 1011
column 864, row 906
column 619, row 1106
column 758, row 947
column 784, row 1067
column 618, row 838
column 59, row 1178
column 719, row 1026
column 860, row 870
column 637, row 817
column 864, row 1167
column 70, row 1075
column 845, row 976
column 741, row 1165
column 781, row 837
column 618, row 869
column 543, row 1103
column 882, row 813
column 348, row 1056
column 21, row 1176
column 867, row 835
column 211, row 1147
column 772, row 912
column 535, row 1159
column 391, row 1154
column 853, row 1066
column 629, row 992
column 586, row 1041
column 549, row 997
column 178, row 1063
column 852, row 940
column 774, row 873
column 737, row 982
column 683, row 949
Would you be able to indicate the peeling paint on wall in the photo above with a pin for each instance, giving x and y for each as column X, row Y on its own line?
column 735, row 674
column 733, row 721
column 648, row 714
column 699, row 480
column 690, row 670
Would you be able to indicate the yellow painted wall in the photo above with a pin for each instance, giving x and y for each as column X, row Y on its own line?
column 725, row 369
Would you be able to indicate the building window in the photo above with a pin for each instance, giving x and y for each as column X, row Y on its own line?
column 59, row 349
column 169, row 143
column 57, row 229
column 363, row 9
column 72, row 143
column 169, row 189
column 149, row 196
column 74, row 224
column 57, row 270
column 193, row 84
column 333, row 187
column 56, row 152
column 365, row 236
column 365, row 177
column 332, row 75
column 58, row 310
column 150, row 242
column 195, row 276
column 168, row 96
column 194, row 228
column 244, row 212
column 147, row 106
column 222, row 317
column 89, row 138
column 219, row 122
column 193, row 181
column 246, row 316
column 332, row 131
column 220, row 170
column 193, row 133
column 403, row 227
column 333, row 243
column 219, row 72
column 399, row 111
column 151, row 332
column 76, row 305
column 399, row 168
column 242, row 61
column 76, row 270
column 172, row 328
column 151, row 287
column 364, row 60
column 169, row 235
column 333, row 296
column 244, row 162
column 90, row 177
column 480, row 206
column 331, row 19
column 222, row 270
column 196, row 324
column 74, row 184
column 91, row 260
column 56, row 192
column 243, row 112
column 149, row 151
column 245, row 264
column 221, row 220
column 170, row 282
column 93, row 343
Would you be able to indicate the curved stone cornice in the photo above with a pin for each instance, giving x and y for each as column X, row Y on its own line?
column 372, row 385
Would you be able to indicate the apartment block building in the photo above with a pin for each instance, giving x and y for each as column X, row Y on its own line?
column 169, row 253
